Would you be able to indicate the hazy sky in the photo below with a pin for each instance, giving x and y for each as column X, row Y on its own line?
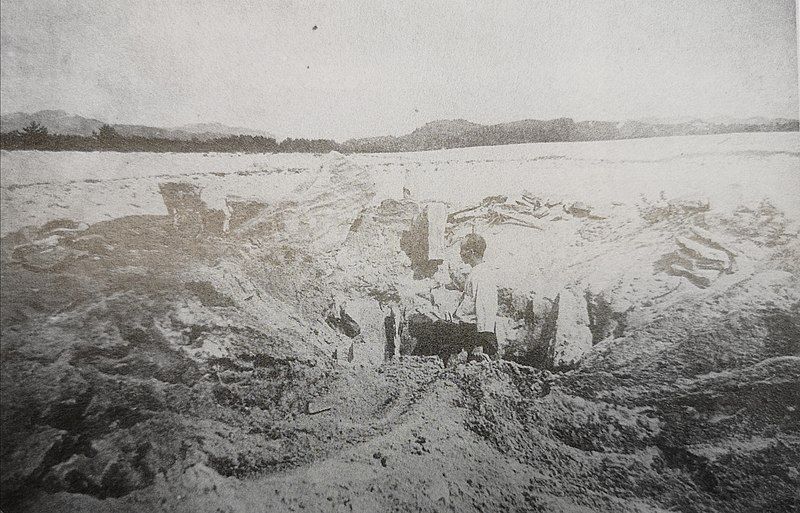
column 386, row 67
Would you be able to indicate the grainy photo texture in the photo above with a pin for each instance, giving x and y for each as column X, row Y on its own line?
column 371, row 256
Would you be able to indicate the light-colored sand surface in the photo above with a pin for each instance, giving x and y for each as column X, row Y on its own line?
column 730, row 170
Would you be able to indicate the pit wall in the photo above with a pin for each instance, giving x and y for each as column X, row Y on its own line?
column 399, row 269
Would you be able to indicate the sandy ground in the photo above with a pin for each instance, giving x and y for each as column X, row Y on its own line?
column 147, row 369
column 734, row 169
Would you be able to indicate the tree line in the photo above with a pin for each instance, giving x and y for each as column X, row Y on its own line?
column 447, row 135
column 106, row 138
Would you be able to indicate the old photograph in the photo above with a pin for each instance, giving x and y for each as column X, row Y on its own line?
column 384, row 256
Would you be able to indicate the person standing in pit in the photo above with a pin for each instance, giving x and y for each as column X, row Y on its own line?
column 478, row 307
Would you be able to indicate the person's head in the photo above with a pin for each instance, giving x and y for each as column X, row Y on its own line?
column 472, row 248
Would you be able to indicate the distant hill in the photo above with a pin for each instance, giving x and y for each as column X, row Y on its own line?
column 56, row 121
column 220, row 129
column 459, row 133
column 60, row 122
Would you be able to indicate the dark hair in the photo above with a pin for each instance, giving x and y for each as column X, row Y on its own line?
column 475, row 244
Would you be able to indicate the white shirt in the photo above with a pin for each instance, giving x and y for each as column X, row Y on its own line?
column 479, row 303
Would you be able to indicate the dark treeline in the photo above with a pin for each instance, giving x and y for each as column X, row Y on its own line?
column 37, row 137
column 433, row 136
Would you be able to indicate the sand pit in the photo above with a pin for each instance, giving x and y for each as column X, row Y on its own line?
column 231, row 352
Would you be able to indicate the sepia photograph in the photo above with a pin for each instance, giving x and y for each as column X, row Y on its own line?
column 378, row 256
